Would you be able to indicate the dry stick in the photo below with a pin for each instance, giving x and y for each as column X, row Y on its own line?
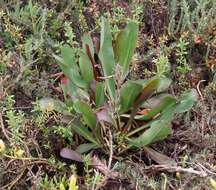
column 205, row 169
column 59, row 74
column 198, row 89
column 111, row 150
column 201, row 97
column 3, row 128
column 180, row 169
column 24, row 158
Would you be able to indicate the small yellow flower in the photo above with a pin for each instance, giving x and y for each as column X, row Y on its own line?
column 2, row 13
column 213, row 183
column 178, row 175
column 19, row 153
column 61, row 186
column 2, row 146
column 73, row 181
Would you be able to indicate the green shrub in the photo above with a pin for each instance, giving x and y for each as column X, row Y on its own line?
column 195, row 16
column 103, row 105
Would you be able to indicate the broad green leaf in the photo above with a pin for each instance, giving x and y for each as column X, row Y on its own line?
column 83, row 95
column 125, row 45
column 86, row 147
column 150, row 88
column 165, row 102
column 69, row 57
column 88, row 115
column 99, row 94
column 186, row 101
column 164, row 84
column 50, row 104
column 142, row 82
column 71, row 89
column 154, row 101
column 73, row 75
column 168, row 113
column 128, row 94
column 69, row 67
column 77, row 79
column 87, row 40
column 106, row 56
column 86, row 67
column 159, row 130
column 140, row 129
column 84, row 132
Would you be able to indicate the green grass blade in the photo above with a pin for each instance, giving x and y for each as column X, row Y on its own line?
column 106, row 56
column 125, row 45
column 86, row 68
column 99, row 94
column 147, row 92
column 86, row 40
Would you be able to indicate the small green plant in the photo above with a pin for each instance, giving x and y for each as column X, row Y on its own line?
column 64, row 132
column 163, row 65
column 119, row 16
column 31, row 16
column 181, row 53
column 104, row 106
column 69, row 33
column 15, row 122
column 54, row 183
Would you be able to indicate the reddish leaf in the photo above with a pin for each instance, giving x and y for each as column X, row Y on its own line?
column 144, row 112
column 99, row 165
column 70, row 154
column 64, row 80
column 103, row 115
column 160, row 158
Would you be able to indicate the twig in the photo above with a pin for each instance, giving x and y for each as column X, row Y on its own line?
column 24, row 158
column 111, row 150
column 107, row 77
column 205, row 169
column 198, row 89
column 180, row 169
column 3, row 128
column 59, row 74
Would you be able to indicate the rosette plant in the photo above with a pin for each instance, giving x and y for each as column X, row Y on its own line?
column 108, row 109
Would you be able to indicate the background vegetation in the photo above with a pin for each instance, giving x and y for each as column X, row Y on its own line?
column 74, row 79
